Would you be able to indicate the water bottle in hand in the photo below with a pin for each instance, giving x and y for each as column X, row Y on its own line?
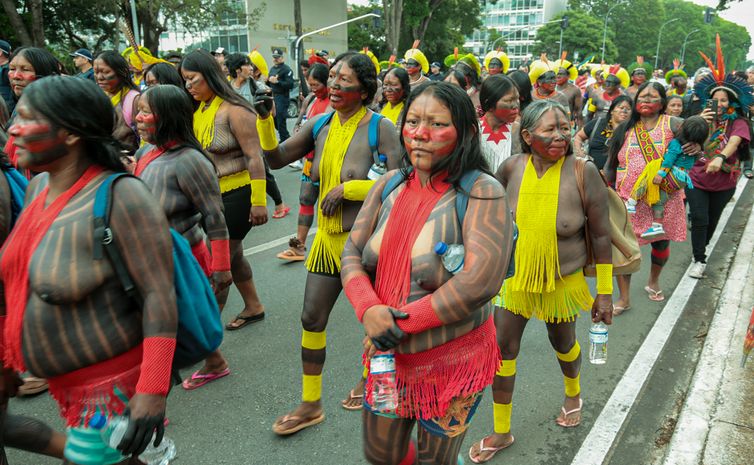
column 598, row 343
column 378, row 169
column 112, row 433
column 452, row 256
column 384, row 395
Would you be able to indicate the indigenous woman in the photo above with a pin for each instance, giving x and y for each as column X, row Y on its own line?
column 566, row 74
column 395, row 90
column 677, row 79
column 112, row 74
column 316, row 103
column 438, row 324
column 523, row 84
column 465, row 72
column 417, row 65
column 162, row 73
column 498, row 126
column 644, row 137
column 639, row 70
column 674, row 106
column 53, row 313
column 342, row 158
column 598, row 131
column 716, row 173
column 224, row 126
column 544, row 80
column 616, row 79
column 551, row 251
column 496, row 62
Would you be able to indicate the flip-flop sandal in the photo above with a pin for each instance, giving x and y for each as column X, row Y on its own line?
column 352, row 396
column 653, row 295
column 483, row 449
column 247, row 320
column 291, row 255
column 749, row 174
column 205, row 378
column 617, row 310
column 282, row 213
column 32, row 386
column 565, row 415
column 303, row 425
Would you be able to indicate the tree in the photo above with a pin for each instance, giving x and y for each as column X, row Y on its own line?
column 367, row 33
column 393, row 15
column 583, row 35
column 450, row 22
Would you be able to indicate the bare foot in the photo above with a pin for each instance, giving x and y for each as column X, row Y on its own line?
column 570, row 413
column 355, row 398
column 305, row 415
column 485, row 449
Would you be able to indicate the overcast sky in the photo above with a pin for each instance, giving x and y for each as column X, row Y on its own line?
column 739, row 12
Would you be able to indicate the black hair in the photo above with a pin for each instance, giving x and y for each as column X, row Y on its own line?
column 522, row 82
column 341, row 57
column 619, row 133
column 304, row 63
column 465, row 75
column 119, row 65
column 44, row 63
column 363, row 67
column 403, row 78
column 173, row 111
column 530, row 119
column 617, row 101
column 319, row 72
column 235, row 61
column 694, row 129
column 173, row 55
column 200, row 61
column 467, row 155
column 59, row 99
column 493, row 89
column 733, row 101
column 165, row 73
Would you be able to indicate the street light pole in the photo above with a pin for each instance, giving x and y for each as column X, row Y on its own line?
column 659, row 37
column 683, row 49
column 604, row 31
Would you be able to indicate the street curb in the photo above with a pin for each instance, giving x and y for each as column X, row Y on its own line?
column 694, row 425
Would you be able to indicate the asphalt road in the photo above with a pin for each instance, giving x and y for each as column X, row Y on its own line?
column 229, row 421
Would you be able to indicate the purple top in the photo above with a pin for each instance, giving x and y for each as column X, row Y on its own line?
column 720, row 181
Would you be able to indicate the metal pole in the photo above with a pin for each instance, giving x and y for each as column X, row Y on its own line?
column 303, row 36
column 560, row 49
column 659, row 37
column 683, row 49
column 135, row 23
column 604, row 30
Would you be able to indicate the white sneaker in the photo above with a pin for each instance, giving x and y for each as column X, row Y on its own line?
column 296, row 165
column 653, row 231
column 697, row 270
column 630, row 207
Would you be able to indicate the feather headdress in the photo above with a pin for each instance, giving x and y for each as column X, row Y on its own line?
column 710, row 83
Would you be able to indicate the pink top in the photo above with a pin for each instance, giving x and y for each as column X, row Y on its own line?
column 630, row 165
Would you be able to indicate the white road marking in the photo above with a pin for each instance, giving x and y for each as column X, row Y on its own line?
column 601, row 437
column 271, row 244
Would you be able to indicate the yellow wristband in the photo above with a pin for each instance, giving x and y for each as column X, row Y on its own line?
column 590, row 106
column 357, row 190
column 258, row 192
column 604, row 278
column 266, row 130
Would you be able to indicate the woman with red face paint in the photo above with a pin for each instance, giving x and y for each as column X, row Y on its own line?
column 639, row 70
column 498, row 126
column 316, row 103
column 438, row 326
column 395, row 90
column 113, row 76
column 543, row 78
column 342, row 158
column 53, row 311
column 416, row 65
column 565, row 78
column 616, row 79
column 638, row 141
column 465, row 72
column 551, row 252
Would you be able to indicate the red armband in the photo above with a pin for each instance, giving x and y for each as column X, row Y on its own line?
column 156, row 363
column 421, row 316
column 220, row 255
column 360, row 293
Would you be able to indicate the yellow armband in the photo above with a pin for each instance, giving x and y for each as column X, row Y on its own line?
column 258, row 192
column 357, row 190
column 604, row 278
column 589, row 105
column 266, row 130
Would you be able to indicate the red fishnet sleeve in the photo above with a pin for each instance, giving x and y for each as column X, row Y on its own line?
column 220, row 255
column 360, row 293
column 421, row 316
column 156, row 362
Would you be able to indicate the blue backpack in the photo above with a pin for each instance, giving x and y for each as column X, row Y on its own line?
column 462, row 203
column 17, row 184
column 200, row 330
column 374, row 132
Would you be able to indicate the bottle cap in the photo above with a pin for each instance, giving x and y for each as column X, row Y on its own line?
column 441, row 248
column 382, row 158
column 98, row 421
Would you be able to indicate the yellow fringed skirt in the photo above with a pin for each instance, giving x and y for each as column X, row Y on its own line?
column 324, row 256
column 563, row 304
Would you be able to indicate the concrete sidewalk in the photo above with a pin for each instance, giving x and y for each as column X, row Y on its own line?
column 716, row 425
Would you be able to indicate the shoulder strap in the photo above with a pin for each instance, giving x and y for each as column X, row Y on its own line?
column 462, row 197
column 391, row 184
column 374, row 135
column 594, row 129
column 321, row 123
column 578, row 167
column 103, row 236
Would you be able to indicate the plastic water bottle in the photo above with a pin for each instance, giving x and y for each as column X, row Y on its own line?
column 378, row 168
column 452, row 256
column 384, row 389
column 112, row 433
column 598, row 343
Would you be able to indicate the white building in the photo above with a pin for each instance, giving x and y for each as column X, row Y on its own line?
column 517, row 21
